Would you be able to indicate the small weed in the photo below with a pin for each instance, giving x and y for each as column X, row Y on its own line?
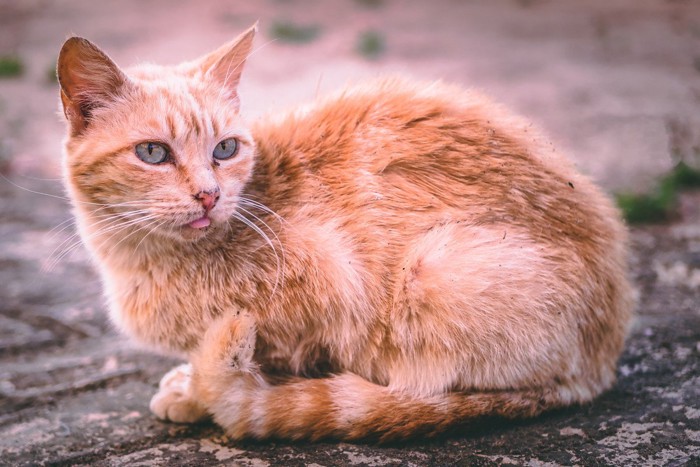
column 370, row 44
column 51, row 77
column 10, row 66
column 658, row 206
column 644, row 209
column 525, row 3
column 294, row 33
column 370, row 3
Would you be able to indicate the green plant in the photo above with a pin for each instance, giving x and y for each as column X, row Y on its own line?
column 370, row 3
column 659, row 204
column 51, row 76
column 10, row 66
column 289, row 32
column 370, row 44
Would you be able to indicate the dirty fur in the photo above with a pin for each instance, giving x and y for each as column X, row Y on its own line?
column 387, row 262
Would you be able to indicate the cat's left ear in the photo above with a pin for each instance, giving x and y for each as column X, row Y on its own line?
column 89, row 80
column 225, row 64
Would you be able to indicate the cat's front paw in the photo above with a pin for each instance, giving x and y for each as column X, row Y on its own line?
column 226, row 349
column 174, row 400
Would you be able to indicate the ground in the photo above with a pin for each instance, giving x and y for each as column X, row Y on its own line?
column 616, row 83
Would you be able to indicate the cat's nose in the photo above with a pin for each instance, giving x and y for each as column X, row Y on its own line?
column 208, row 198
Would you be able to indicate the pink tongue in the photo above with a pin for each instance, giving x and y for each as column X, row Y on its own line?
column 200, row 223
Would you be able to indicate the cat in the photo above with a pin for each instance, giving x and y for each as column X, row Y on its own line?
column 389, row 262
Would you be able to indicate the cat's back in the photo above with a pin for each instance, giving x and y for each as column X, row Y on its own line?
column 394, row 123
column 404, row 145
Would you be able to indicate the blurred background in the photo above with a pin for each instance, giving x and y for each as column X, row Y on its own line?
column 614, row 83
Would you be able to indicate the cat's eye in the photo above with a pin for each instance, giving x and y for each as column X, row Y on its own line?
column 226, row 149
column 152, row 153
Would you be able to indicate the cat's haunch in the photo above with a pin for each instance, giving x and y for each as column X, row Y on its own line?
column 393, row 261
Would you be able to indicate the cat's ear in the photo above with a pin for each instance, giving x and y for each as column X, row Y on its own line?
column 89, row 80
column 225, row 64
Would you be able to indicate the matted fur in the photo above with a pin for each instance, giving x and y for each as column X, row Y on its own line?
column 389, row 262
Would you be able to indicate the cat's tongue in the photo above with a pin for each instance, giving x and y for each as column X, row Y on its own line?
column 200, row 223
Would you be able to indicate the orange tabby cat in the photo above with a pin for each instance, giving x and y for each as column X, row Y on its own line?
column 390, row 262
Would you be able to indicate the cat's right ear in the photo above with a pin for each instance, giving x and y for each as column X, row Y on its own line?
column 225, row 64
column 89, row 80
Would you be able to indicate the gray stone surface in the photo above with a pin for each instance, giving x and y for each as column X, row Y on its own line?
column 72, row 392
column 616, row 81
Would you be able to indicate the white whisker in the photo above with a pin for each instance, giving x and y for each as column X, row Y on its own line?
column 152, row 221
column 268, row 228
column 256, row 204
column 151, row 230
column 113, row 223
column 268, row 241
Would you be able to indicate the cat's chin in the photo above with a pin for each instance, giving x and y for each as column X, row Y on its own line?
column 193, row 233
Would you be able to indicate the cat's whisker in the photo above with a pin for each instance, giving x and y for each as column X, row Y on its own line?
column 58, row 252
column 100, row 206
column 121, row 215
column 269, row 242
column 115, row 228
column 127, row 216
column 61, row 227
column 62, row 250
column 50, row 195
column 121, row 226
column 150, row 231
column 66, row 246
column 256, row 204
column 114, row 224
column 117, row 206
column 271, row 231
column 150, row 220
column 66, row 241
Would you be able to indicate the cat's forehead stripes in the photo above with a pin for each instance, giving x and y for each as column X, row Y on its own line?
column 190, row 116
column 171, row 126
column 186, row 112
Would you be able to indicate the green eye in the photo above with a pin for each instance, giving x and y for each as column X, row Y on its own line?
column 226, row 149
column 152, row 153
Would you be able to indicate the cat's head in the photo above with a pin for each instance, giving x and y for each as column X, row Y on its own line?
column 154, row 150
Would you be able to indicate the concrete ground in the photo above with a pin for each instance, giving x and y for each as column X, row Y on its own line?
column 615, row 82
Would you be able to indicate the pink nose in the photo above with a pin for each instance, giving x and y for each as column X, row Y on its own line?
column 208, row 198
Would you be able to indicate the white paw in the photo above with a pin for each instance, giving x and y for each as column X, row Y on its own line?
column 174, row 400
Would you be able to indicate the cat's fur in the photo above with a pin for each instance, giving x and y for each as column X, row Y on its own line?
column 432, row 258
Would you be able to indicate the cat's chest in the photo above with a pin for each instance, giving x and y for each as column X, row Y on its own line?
column 168, row 307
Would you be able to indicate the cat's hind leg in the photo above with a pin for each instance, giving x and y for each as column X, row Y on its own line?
column 174, row 400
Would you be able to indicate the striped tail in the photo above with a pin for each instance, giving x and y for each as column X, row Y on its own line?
column 345, row 406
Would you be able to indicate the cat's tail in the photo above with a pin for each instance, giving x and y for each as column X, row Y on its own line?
column 344, row 406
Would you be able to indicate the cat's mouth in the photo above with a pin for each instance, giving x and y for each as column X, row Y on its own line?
column 196, row 229
column 201, row 223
